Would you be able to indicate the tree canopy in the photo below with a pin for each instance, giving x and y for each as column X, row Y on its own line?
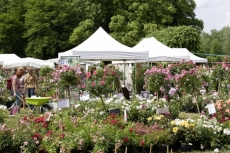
column 42, row 29
column 216, row 45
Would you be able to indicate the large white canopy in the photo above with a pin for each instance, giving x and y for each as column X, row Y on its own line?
column 8, row 57
column 101, row 46
column 32, row 62
column 193, row 57
column 159, row 51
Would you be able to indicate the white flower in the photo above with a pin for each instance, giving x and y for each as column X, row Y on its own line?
column 201, row 146
column 219, row 129
column 127, row 108
column 155, row 97
column 216, row 150
column 194, row 100
column 122, row 98
column 226, row 131
column 149, row 101
column 101, row 113
column 76, row 106
column 138, row 107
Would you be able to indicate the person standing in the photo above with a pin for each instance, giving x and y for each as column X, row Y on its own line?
column 82, row 75
column 22, row 88
column 15, row 88
column 31, row 83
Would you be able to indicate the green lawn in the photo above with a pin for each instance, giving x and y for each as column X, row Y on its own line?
column 12, row 121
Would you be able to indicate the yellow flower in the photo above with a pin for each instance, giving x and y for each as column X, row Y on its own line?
column 175, row 129
column 192, row 124
column 186, row 124
column 150, row 118
column 182, row 123
column 157, row 118
column 173, row 122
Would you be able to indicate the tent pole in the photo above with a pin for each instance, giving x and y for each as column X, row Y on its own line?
column 124, row 75
column 135, row 78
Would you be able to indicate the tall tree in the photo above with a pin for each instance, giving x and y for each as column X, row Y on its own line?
column 48, row 26
column 134, row 20
column 179, row 37
column 12, row 27
column 225, row 40
column 11, row 31
column 215, row 47
column 185, row 14
column 4, row 6
column 82, row 32
column 90, row 16
column 205, row 43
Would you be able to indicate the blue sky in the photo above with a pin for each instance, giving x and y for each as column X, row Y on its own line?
column 214, row 13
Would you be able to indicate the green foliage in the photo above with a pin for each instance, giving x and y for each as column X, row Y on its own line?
column 220, row 77
column 178, row 67
column 102, row 81
column 5, row 95
column 66, row 79
column 179, row 37
column 138, row 78
column 10, row 41
column 155, row 78
column 175, row 106
column 48, row 25
column 185, row 15
column 41, row 29
column 5, row 139
column 44, row 71
column 82, row 32
column 189, row 81
column 216, row 43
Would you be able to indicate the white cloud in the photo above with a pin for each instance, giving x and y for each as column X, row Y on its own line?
column 214, row 13
column 209, row 3
column 227, row 19
column 201, row 3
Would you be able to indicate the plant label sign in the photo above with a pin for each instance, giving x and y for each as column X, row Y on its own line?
column 119, row 96
column 84, row 97
column 47, row 116
column 172, row 91
column 211, row 108
column 63, row 103
column 145, row 94
column 162, row 110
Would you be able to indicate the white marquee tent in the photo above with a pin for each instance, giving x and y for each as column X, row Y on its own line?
column 32, row 62
column 159, row 51
column 8, row 57
column 193, row 57
column 101, row 46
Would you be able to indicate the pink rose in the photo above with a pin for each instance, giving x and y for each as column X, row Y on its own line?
column 26, row 143
column 88, row 74
column 94, row 72
column 102, row 83
column 83, row 86
column 93, row 84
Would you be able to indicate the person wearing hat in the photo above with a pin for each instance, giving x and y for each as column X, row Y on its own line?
column 15, row 88
column 31, row 83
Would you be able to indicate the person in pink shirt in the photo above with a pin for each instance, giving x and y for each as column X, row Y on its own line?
column 15, row 89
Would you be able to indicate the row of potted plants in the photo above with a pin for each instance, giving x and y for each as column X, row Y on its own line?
column 86, row 127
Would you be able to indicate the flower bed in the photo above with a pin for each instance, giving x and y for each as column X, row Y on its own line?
column 138, row 125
